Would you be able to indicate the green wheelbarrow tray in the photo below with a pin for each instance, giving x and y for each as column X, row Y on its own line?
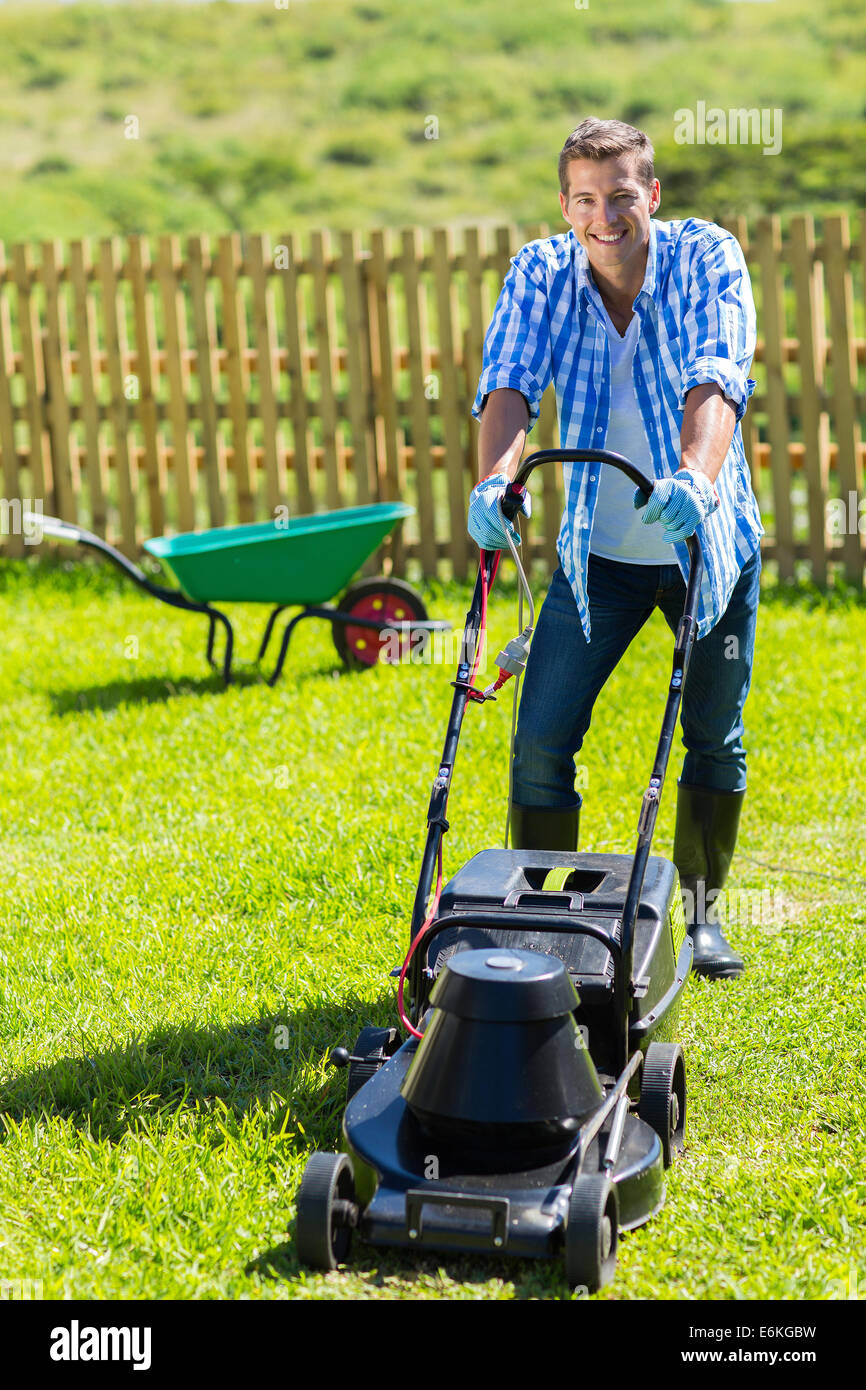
column 302, row 562
column 305, row 559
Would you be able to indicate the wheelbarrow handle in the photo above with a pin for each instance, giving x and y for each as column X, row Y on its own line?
column 74, row 534
column 53, row 526
column 77, row 535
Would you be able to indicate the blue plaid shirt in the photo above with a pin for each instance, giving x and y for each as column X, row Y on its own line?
column 697, row 324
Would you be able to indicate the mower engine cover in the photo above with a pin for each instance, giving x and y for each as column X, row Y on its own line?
column 502, row 1063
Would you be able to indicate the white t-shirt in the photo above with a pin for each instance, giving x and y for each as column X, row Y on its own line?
column 618, row 531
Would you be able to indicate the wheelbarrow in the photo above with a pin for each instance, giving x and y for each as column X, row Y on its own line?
column 301, row 562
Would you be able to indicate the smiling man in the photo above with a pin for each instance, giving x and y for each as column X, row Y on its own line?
column 647, row 330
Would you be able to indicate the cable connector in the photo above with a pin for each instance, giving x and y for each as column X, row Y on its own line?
column 511, row 661
column 515, row 654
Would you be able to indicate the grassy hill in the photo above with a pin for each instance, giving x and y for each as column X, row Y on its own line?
column 250, row 116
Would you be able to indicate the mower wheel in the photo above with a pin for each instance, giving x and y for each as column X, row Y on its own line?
column 591, row 1234
column 375, row 1045
column 388, row 601
column 327, row 1211
column 663, row 1096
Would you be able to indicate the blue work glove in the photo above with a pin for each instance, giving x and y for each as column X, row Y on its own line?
column 680, row 503
column 485, row 523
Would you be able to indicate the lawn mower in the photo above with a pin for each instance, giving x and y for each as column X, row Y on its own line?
column 541, row 1092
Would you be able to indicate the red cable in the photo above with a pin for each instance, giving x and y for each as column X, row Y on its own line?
column 429, row 918
column 482, row 627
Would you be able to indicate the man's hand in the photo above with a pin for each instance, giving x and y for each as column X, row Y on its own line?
column 486, row 524
column 504, row 423
column 680, row 503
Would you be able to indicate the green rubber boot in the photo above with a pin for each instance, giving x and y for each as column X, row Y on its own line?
column 545, row 827
column 704, row 842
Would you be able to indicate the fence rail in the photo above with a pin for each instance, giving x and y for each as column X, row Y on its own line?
column 147, row 386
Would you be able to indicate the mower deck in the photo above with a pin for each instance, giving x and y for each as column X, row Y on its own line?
column 521, row 1212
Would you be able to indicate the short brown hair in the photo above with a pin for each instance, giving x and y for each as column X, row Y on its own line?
column 595, row 139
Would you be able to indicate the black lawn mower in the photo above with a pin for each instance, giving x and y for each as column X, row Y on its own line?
column 541, row 1092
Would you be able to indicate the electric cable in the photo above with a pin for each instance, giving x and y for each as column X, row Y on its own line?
column 515, row 693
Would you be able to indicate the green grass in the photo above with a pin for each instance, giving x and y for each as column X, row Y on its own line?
column 187, row 871
column 318, row 114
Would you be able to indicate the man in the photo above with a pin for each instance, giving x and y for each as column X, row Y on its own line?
column 647, row 329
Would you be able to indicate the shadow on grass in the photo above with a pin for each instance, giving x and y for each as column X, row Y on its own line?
column 270, row 1064
column 379, row 1267
column 156, row 689
column 146, row 691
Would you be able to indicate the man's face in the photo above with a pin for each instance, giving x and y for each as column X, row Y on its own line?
column 609, row 210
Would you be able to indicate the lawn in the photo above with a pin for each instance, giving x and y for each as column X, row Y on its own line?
column 193, row 877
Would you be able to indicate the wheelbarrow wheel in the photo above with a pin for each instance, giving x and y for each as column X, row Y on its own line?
column 327, row 1212
column 592, row 1232
column 663, row 1096
column 389, row 601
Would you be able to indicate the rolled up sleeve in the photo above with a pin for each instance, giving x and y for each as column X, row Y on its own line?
column 719, row 326
column 517, row 352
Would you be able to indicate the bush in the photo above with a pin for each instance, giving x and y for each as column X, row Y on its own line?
column 355, row 155
column 45, row 78
column 50, row 164
column 318, row 52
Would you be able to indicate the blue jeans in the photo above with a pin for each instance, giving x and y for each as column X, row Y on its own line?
column 565, row 674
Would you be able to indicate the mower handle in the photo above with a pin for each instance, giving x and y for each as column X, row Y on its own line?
column 684, row 641
column 685, row 638
column 515, row 490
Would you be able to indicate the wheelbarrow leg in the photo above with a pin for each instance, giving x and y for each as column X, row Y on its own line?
column 214, row 615
column 287, row 637
column 275, row 613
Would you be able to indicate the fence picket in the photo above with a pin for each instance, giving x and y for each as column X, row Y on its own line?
column 357, row 363
column 33, row 371
column 84, row 315
column 234, row 336
column 769, row 246
column 265, row 337
column 815, row 422
column 56, row 357
column 383, row 384
column 460, row 476
column 473, row 255
column 290, row 254
column 204, row 329
column 12, row 484
column 113, row 319
column 147, row 371
column 174, row 322
column 325, row 336
column 849, row 465
column 417, row 337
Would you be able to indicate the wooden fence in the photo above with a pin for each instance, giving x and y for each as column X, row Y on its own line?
column 149, row 386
